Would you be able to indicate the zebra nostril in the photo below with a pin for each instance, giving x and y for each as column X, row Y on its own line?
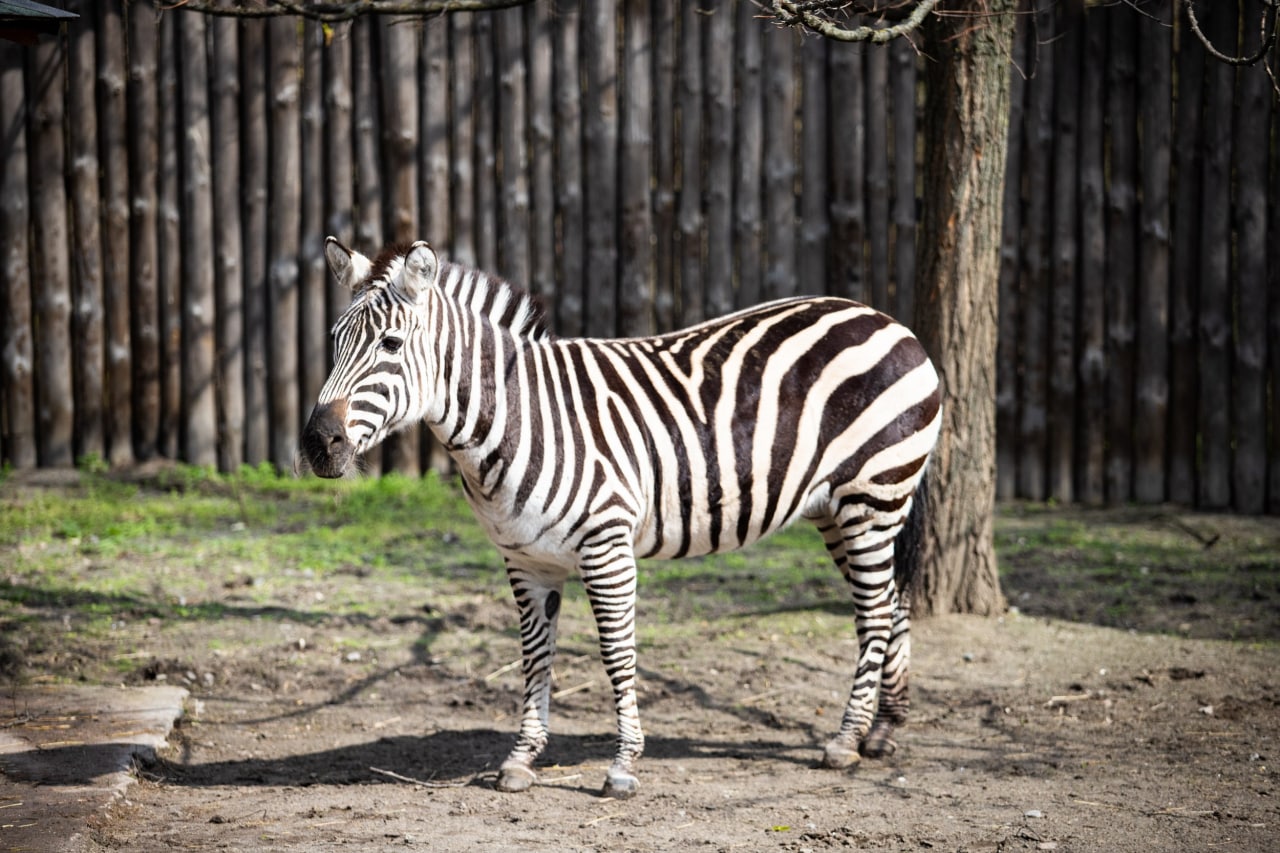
column 336, row 441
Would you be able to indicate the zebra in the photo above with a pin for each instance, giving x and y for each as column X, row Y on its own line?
column 584, row 455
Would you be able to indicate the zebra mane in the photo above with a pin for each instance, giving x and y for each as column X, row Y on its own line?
column 484, row 294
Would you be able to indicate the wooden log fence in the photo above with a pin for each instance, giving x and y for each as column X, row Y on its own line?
column 169, row 179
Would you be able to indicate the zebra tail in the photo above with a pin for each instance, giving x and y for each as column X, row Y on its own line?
column 907, row 547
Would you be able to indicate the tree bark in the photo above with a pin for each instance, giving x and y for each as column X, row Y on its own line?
column 717, row 119
column 513, row 200
column 780, row 73
column 815, row 222
column 143, row 248
column 600, row 165
column 846, row 101
column 665, row 293
column 169, row 239
column 966, row 133
column 877, row 73
column 903, row 100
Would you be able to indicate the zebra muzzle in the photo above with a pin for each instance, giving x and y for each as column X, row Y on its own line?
column 324, row 440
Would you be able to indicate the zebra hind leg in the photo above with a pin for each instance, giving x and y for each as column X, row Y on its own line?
column 861, row 545
column 539, row 606
column 894, row 699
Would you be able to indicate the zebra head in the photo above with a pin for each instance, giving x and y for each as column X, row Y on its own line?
column 380, row 352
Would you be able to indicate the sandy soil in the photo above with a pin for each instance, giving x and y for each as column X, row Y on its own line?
column 1027, row 734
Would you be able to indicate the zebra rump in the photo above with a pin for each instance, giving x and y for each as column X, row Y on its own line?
column 580, row 455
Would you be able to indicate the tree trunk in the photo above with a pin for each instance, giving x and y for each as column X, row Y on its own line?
column 568, row 168
column 253, row 215
column 664, row 166
column 748, row 115
column 717, row 117
column 966, row 134
column 847, row 169
column 690, row 220
column 169, row 239
column 283, row 230
column 599, row 53
column 877, row 91
column 780, row 70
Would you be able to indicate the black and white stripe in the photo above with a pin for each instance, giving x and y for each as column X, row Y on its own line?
column 582, row 455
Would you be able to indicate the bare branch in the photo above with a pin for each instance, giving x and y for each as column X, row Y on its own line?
column 333, row 12
column 1267, row 31
column 811, row 16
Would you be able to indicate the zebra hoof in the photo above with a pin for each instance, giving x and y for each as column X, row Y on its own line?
column 513, row 778
column 620, row 785
column 879, row 743
column 839, row 755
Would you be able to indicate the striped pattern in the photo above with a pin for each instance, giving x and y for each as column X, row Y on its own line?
column 581, row 455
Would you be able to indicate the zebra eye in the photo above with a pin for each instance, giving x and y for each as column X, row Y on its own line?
column 392, row 345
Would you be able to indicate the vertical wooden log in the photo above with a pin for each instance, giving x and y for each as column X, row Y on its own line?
column 169, row 238
column 748, row 155
column 199, row 432
column 114, row 165
column 813, row 274
column 283, row 228
column 435, row 193
column 1061, row 433
column 780, row 87
column 369, row 223
column 718, row 141
column 570, row 319
column 599, row 49
column 399, row 98
column 847, row 149
column 87, row 312
column 635, row 262
column 1007, row 360
column 903, row 85
column 1151, row 401
column 1092, row 441
column 1254, row 102
column 340, row 180
column 542, row 177
column 17, row 349
column 436, row 196
column 1035, row 278
column 664, row 37
column 877, row 107
column 462, row 135
column 313, row 271
column 228, row 271
column 143, row 248
column 1220, row 21
column 512, row 132
column 254, row 199
column 691, row 294
column 1184, row 297
column 1122, row 241
column 369, row 235
column 50, row 244
column 1273, row 313
column 485, row 142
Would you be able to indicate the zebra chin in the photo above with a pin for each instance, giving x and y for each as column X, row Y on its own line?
column 325, row 446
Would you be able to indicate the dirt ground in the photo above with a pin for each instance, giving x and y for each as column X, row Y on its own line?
column 1027, row 734
column 311, row 731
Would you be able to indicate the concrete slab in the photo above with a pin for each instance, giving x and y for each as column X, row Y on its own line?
column 66, row 752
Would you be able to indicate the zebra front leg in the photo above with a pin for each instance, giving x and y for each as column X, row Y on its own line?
column 539, row 606
column 611, row 589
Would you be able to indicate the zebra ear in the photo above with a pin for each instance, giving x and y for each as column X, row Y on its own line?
column 349, row 267
column 421, row 267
